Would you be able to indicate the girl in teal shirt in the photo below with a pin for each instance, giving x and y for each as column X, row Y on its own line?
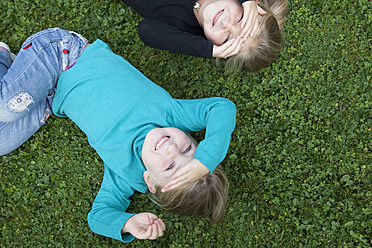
column 135, row 126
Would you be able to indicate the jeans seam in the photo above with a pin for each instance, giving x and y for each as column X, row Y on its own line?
column 24, row 69
column 37, row 35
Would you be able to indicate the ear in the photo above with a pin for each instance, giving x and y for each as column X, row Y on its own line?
column 149, row 182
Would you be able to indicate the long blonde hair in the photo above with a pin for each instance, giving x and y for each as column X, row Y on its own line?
column 206, row 196
column 262, row 49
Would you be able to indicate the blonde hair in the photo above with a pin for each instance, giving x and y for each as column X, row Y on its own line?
column 206, row 196
column 262, row 49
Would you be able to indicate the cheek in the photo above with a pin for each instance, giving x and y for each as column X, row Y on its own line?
column 158, row 178
column 236, row 12
column 154, row 162
column 148, row 160
column 212, row 36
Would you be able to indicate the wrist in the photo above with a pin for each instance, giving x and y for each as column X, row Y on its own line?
column 126, row 227
column 202, row 168
column 214, row 51
column 248, row 2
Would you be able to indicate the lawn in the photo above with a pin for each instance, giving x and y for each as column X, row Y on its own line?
column 300, row 158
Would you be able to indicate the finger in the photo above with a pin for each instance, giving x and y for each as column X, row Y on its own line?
column 237, row 48
column 249, row 9
column 148, row 233
column 155, row 231
column 231, row 43
column 178, row 176
column 247, row 29
column 175, row 184
column 253, row 24
column 174, row 181
column 254, row 27
column 234, row 48
column 152, row 218
column 162, row 224
column 244, row 22
column 246, row 32
column 228, row 49
column 261, row 11
column 178, row 182
column 233, row 52
column 220, row 51
column 160, row 228
column 181, row 172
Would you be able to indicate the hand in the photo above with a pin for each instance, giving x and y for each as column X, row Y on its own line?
column 230, row 48
column 192, row 171
column 144, row 226
column 250, row 21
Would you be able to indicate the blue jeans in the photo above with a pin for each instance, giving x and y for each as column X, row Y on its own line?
column 28, row 85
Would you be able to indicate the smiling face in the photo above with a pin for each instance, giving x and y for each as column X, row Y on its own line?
column 221, row 19
column 165, row 151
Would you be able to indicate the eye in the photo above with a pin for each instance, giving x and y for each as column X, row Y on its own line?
column 170, row 166
column 227, row 39
column 188, row 149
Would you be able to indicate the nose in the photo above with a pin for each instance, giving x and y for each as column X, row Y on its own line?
column 225, row 23
column 172, row 149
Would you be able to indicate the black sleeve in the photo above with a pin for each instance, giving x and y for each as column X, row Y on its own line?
column 160, row 35
column 242, row 1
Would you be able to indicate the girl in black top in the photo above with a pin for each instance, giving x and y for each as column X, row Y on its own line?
column 212, row 28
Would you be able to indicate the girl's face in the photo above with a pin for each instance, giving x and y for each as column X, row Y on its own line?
column 221, row 20
column 165, row 151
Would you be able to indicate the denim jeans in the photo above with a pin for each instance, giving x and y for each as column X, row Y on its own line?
column 28, row 84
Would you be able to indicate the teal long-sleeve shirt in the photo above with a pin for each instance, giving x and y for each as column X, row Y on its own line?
column 115, row 105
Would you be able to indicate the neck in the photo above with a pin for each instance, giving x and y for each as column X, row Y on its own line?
column 197, row 7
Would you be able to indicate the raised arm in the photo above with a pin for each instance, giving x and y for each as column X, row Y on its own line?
column 109, row 218
column 160, row 35
column 217, row 116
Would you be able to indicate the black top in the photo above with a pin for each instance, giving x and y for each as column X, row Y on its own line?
column 171, row 25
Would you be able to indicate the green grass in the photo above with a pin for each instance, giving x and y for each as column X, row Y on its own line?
column 300, row 159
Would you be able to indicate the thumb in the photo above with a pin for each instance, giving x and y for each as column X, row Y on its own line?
column 261, row 11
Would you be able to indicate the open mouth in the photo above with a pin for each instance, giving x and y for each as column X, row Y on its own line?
column 161, row 141
column 215, row 18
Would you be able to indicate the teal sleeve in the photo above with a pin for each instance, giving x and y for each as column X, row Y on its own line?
column 217, row 116
column 108, row 215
